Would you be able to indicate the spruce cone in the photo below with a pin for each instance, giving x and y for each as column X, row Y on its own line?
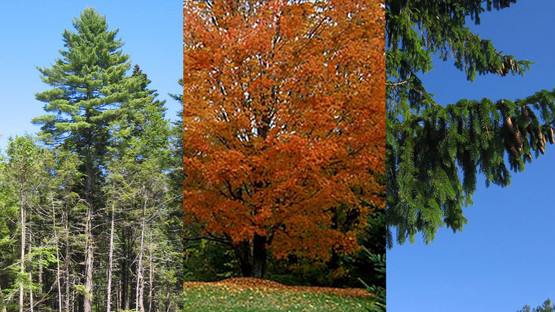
column 525, row 114
column 513, row 137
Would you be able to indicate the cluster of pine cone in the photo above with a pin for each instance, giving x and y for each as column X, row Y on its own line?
column 515, row 134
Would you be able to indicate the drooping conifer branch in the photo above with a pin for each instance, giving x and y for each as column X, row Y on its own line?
column 438, row 154
column 434, row 152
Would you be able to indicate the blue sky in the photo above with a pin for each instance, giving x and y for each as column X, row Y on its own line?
column 503, row 259
column 31, row 35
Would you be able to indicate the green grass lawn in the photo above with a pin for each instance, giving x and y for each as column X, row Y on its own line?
column 229, row 298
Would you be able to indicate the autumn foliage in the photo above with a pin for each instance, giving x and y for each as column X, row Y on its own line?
column 284, row 124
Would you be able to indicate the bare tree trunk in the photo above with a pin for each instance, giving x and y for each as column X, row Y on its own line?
column 151, row 273
column 139, row 306
column 66, row 263
column 73, row 300
column 58, row 278
column 167, row 293
column 57, row 254
column 40, row 280
column 89, row 258
column 22, row 258
column 110, row 259
column 89, row 249
column 125, row 291
column 30, row 227
column 31, row 304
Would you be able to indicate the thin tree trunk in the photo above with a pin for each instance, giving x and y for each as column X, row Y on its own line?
column 89, row 249
column 31, row 303
column 89, row 258
column 59, row 287
column 58, row 277
column 151, row 273
column 125, row 295
column 118, row 299
column 22, row 258
column 39, row 280
column 66, row 263
column 139, row 305
column 110, row 259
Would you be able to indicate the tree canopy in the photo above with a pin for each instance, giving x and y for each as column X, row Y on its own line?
column 436, row 152
column 283, row 125
column 545, row 307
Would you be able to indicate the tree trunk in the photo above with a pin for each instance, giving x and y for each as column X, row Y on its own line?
column 139, row 306
column 66, row 263
column 89, row 260
column 31, row 303
column 110, row 259
column 89, row 249
column 258, row 256
column 125, row 269
column 167, row 293
column 132, row 268
column 57, row 246
column 242, row 250
column 252, row 257
column 151, row 274
column 39, row 280
column 22, row 258
column 30, row 251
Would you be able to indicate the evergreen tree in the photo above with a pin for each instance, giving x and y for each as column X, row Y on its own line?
column 88, row 83
column 545, row 307
column 137, row 182
column 8, row 239
column 110, row 242
column 435, row 151
column 22, row 177
column 59, row 205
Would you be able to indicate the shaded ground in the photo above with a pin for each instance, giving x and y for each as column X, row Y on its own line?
column 250, row 294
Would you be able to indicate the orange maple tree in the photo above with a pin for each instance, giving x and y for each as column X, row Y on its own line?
column 284, row 124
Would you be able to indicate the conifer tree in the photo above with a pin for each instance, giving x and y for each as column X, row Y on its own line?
column 435, row 151
column 138, row 153
column 91, row 94
column 88, row 84
column 545, row 307
column 22, row 174
column 85, row 214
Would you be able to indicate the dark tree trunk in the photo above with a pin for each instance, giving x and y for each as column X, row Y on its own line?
column 252, row 256
column 125, row 280
column 132, row 285
column 242, row 250
column 258, row 256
